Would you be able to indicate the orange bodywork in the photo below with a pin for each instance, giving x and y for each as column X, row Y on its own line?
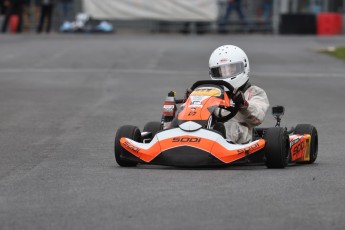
column 222, row 150
column 300, row 147
column 230, row 156
column 195, row 109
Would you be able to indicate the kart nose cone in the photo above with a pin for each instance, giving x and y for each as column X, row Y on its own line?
column 186, row 156
column 190, row 126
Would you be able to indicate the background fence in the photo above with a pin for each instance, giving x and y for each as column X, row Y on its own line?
column 253, row 10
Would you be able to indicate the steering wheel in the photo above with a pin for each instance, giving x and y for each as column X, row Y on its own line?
column 233, row 111
column 212, row 82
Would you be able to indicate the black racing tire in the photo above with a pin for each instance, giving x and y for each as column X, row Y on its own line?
column 314, row 143
column 153, row 127
column 219, row 127
column 134, row 134
column 276, row 147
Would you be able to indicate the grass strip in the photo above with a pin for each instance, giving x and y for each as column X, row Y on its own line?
column 338, row 52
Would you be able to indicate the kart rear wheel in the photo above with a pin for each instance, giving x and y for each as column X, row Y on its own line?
column 131, row 132
column 276, row 147
column 314, row 144
column 153, row 127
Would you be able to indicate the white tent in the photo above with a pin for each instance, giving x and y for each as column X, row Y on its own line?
column 169, row 10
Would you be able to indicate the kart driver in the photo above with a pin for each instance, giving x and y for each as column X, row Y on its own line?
column 230, row 63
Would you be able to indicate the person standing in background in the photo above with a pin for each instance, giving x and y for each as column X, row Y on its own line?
column 232, row 5
column 3, row 6
column 267, row 7
column 47, row 7
column 13, row 7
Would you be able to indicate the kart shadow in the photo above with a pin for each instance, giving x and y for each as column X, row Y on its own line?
column 231, row 167
column 296, row 165
column 236, row 167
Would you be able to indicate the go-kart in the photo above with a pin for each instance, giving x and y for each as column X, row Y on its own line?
column 192, row 136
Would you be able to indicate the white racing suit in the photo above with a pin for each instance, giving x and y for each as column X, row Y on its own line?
column 239, row 129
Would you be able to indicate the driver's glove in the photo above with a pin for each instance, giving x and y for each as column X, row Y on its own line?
column 240, row 100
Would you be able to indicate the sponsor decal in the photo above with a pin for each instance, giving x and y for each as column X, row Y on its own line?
column 298, row 148
column 223, row 60
column 192, row 113
column 195, row 103
column 132, row 147
column 294, row 141
column 169, row 108
column 186, row 139
column 199, row 106
column 246, row 150
column 197, row 98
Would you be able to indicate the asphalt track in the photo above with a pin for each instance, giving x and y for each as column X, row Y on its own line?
column 63, row 97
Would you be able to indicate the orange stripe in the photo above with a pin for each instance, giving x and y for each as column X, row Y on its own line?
column 228, row 156
column 145, row 155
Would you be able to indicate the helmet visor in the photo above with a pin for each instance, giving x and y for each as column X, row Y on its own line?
column 227, row 71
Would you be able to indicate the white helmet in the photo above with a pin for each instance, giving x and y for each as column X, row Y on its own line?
column 229, row 63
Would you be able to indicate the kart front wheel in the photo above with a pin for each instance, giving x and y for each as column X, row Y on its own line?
column 276, row 147
column 131, row 132
column 153, row 127
column 311, row 130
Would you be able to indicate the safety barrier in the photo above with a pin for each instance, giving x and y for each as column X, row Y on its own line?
column 329, row 24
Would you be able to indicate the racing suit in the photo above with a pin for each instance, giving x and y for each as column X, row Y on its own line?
column 239, row 129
